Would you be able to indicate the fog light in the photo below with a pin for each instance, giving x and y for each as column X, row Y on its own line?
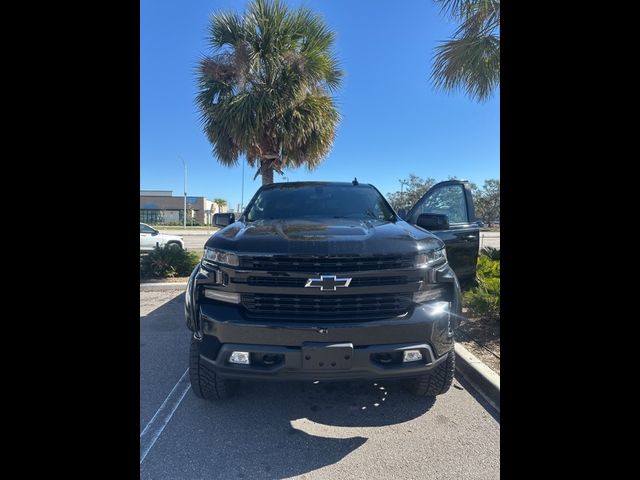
column 411, row 356
column 239, row 357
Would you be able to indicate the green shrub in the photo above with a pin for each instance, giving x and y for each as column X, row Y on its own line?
column 487, row 268
column 484, row 300
column 167, row 262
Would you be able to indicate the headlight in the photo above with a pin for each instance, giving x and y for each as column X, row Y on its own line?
column 220, row 256
column 432, row 258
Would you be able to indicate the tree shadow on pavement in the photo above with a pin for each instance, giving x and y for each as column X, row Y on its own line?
column 272, row 429
column 280, row 430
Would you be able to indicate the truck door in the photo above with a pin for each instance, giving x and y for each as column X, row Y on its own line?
column 462, row 234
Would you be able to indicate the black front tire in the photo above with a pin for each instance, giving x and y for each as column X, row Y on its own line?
column 205, row 383
column 437, row 382
column 174, row 245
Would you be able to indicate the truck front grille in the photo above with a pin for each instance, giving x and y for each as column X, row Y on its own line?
column 326, row 264
column 327, row 307
column 299, row 282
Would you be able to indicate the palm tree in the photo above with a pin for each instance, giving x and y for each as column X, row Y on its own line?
column 470, row 60
column 221, row 202
column 265, row 90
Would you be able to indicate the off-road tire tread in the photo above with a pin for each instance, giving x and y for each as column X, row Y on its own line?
column 438, row 381
column 205, row 383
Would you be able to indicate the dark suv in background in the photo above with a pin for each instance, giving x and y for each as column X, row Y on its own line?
column 324, row 281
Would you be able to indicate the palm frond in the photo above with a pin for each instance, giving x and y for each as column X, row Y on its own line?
column 461, row 9
column 471, row 59
column 225, row 29
column 480, row 20
column 313, row 124
column 472, row 64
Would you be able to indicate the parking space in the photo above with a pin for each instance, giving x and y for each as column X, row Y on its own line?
column 163, row 343
column 282, row 430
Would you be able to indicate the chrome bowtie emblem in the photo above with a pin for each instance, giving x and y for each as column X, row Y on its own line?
column 328, row 282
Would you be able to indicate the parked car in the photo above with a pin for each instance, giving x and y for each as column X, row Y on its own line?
column 150, row 238
column 324, row 281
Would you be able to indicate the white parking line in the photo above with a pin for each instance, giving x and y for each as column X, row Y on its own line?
column 161, row 418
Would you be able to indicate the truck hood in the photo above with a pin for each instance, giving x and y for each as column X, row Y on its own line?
column 325, row 237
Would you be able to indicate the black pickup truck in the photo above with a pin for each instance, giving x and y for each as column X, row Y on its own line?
column 325, row 281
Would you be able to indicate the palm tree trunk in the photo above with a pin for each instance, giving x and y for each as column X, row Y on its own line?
column 266, row 171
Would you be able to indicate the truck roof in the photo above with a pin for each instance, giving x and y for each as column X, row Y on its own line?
column 314, row 184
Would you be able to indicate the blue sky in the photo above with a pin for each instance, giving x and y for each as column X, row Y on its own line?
column 394, row 123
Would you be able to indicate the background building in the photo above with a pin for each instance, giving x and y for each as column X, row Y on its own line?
column 160, row 207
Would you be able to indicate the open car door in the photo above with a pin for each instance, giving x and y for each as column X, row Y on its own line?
column 446, row 210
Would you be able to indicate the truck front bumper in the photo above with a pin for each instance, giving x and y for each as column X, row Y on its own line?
column 293, row 350
column 290, row 364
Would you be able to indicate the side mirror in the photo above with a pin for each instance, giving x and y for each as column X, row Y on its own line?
column 433, row 221
column 155, row 232
column 402, row 213
column 223, row 219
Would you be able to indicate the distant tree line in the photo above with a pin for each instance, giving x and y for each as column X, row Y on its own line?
column 486, row 199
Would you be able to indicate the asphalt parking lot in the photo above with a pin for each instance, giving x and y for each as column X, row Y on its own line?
column 305, row 430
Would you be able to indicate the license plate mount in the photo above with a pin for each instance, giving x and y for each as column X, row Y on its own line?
column 327, row 356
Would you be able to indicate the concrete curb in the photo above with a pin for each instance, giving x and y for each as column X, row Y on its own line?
column 481, row 377
column 163, row 286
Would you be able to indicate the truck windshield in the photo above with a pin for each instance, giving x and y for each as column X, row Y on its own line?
column 319, row 201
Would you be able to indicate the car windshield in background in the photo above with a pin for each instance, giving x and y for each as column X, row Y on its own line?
column 320, row 201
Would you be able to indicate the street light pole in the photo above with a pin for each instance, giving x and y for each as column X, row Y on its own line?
column 184, row 215
column 402, row 184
